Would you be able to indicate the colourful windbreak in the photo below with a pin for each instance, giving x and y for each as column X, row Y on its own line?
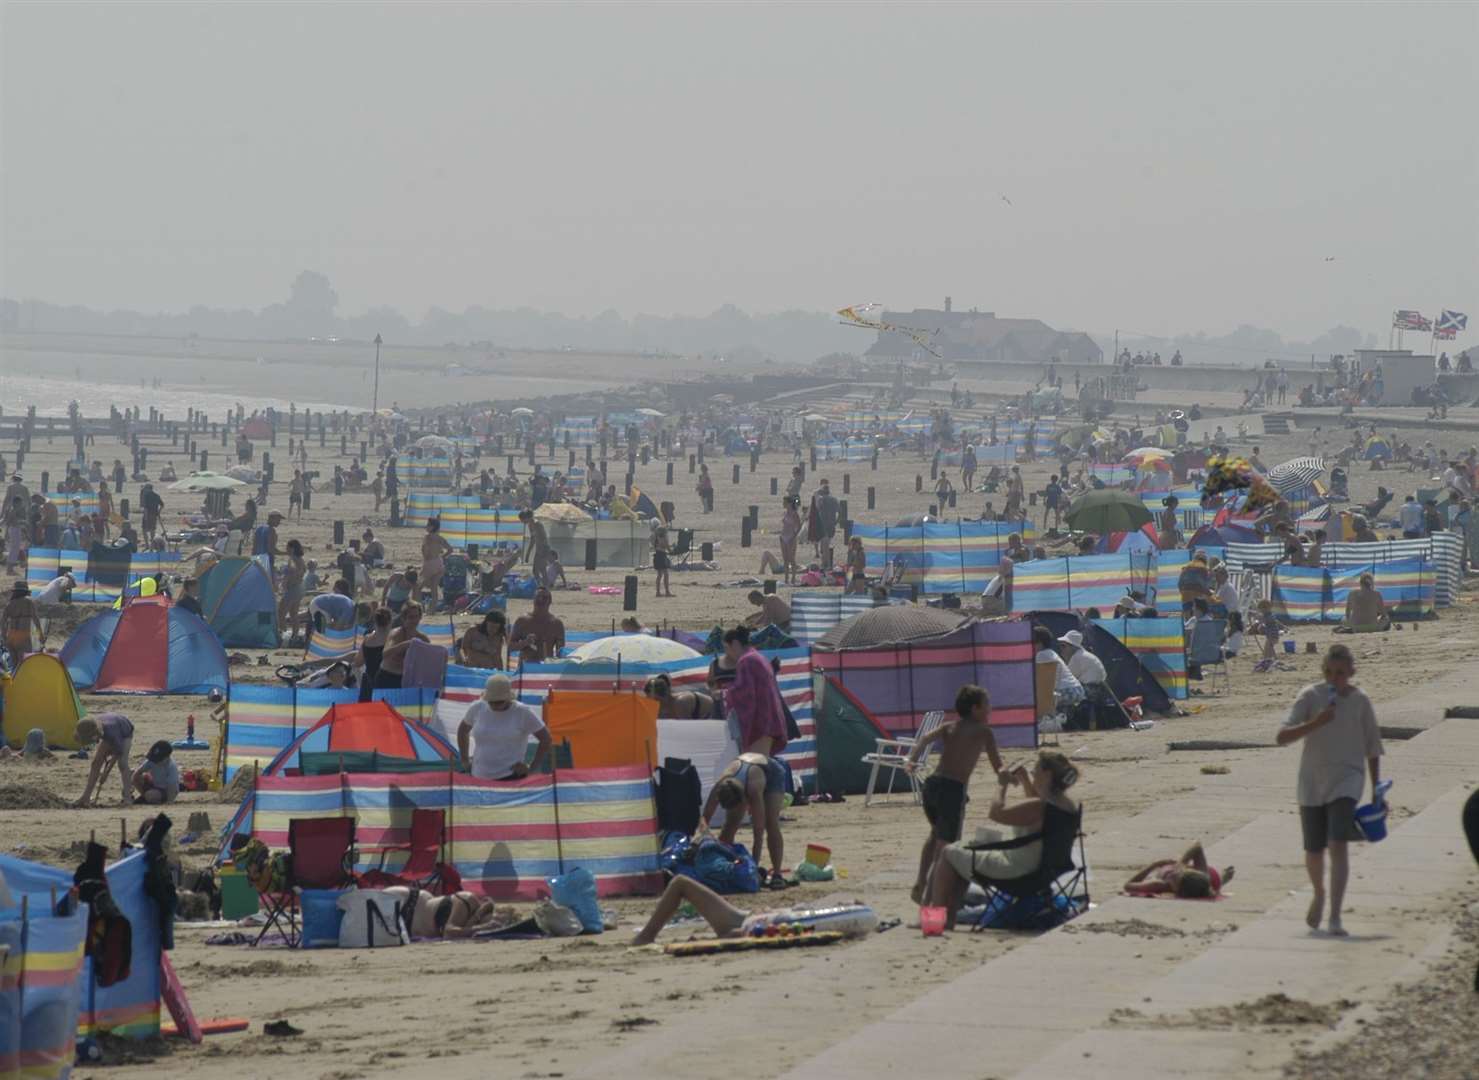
column 898, row 684
column 1081, row 581
column 101, row 578
column 464, row 520
column 941, row 558
column 504, row 838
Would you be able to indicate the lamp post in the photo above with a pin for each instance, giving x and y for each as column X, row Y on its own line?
column 375, row 402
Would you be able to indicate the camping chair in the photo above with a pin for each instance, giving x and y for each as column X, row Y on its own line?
column 1033, row 901
column 320, row 856
column 423, row 848
column 1205, row 649
column 682, row 549
column 893, row 755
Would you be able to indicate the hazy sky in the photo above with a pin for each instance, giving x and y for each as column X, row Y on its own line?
column 1169, row 167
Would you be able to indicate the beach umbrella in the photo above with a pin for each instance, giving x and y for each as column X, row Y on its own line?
column 634, row 649
column 1108, row 510
column 1149, row 457
column 563, row 512
column 435, row 442
column 521, row 411
column 207, row 481
column 1296, row 473
column 648, row 412
column 891, row 625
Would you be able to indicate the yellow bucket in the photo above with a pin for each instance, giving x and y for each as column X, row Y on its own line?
column 818, row 855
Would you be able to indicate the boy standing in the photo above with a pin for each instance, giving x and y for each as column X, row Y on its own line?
column 961, row 743
column 1341, row 739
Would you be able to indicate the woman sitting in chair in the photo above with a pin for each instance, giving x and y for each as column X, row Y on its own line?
column 1017, row 852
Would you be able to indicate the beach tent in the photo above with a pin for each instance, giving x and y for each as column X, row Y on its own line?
column 264, row 720
column 364, row 726
column 1217, row 536
column 1141, row 539
column 1377, row 449
column 1128, row 676
column 257, row 428
column 41, row 695
column 846, row 730
column 150, row 647
column 64, row 981
column 237, row 602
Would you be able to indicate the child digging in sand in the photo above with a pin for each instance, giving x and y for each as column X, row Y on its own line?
column 961, row 743
column 1341, row 739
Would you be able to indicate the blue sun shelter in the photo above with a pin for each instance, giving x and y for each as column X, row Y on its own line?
column 237, row 603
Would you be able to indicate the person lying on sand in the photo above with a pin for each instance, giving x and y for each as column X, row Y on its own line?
column 1189, row 877
column 727, row 920
column 457, row 915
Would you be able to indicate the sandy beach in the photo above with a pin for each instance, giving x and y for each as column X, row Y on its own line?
column 575, row 1007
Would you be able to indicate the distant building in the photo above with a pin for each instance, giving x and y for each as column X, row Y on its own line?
column 981, row 337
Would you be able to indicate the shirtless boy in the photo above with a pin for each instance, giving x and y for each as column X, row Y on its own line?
column 961, row 745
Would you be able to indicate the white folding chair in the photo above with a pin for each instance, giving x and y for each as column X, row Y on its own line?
column 893, row 755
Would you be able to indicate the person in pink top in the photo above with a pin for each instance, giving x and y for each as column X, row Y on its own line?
column 753, row 700
column 757, row 719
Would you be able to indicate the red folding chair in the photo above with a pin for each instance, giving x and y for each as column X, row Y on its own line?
column 320, row 856
column 422, row 868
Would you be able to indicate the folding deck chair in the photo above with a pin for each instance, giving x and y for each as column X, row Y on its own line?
column 423, row 849
column 1032, row 901
column 893, row 755
column 1205, row 650
column 320, row 856
column 682, row 549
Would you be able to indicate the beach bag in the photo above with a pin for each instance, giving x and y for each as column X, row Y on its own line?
column 679, row 796
column 556, row 920
column 371, row 920
column 520, row 588
column 576, row 890
column 723, row 868
column 321, row 918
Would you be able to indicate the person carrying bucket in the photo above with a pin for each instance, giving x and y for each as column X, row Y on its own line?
column 1337, row 724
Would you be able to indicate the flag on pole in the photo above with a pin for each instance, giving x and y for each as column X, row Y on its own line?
column 1451, row 322
column 1411, row 320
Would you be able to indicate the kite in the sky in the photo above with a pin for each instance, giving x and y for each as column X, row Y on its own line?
column 861, row 315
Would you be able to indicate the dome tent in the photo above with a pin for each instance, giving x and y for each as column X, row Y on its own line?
column 237, row 603
column 41, row 695
column 150, row 647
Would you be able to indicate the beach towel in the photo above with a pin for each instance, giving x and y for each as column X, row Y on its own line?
column 425, row 666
